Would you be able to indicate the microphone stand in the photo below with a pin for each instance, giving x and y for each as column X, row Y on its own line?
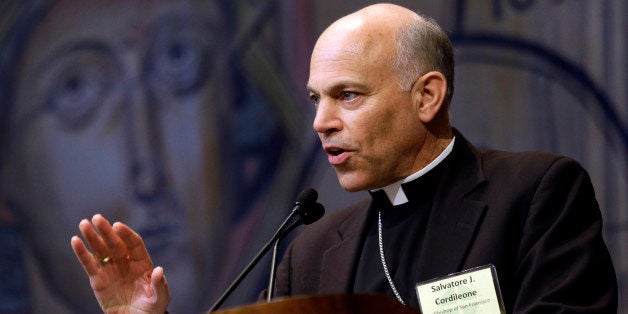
column 273, row 263
column 256, row 259
column 308, row 214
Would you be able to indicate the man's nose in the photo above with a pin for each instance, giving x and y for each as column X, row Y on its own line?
column 327, row 119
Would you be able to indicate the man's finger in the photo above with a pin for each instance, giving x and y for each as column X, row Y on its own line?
column 159, row 286
column 95, row 242
column 84, row 256
column 133, row 242
column 114, row 244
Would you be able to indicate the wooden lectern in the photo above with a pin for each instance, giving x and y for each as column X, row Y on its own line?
column 335, row 303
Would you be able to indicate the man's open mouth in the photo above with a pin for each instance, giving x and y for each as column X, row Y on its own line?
column 335, row 151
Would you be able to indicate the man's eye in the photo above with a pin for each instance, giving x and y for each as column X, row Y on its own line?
column 348, row 96
column 314, row 99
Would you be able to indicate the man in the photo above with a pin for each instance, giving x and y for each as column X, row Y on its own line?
column 382, row 80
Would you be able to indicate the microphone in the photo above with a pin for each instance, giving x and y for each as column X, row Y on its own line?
column 311, row 213
column 307, row 196
column 308, row 211
column 307, row 215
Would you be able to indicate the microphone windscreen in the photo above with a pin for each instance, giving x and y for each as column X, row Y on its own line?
column 307, row 196
column 311, row 212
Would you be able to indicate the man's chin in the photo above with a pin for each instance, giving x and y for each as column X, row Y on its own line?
column 352, row 184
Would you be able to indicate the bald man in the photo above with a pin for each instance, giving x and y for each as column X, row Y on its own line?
column 381, row 80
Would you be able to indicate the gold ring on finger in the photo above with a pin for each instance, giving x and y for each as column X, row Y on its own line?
column 105, row 260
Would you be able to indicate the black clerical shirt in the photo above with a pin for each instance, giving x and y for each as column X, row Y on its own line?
column 403, row 230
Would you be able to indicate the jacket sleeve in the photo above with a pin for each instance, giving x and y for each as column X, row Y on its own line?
column 564, row 264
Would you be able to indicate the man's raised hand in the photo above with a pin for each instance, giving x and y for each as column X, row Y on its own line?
column 120, row 270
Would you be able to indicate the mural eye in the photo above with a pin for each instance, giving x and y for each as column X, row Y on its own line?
column 76, row 84
column 178, row 59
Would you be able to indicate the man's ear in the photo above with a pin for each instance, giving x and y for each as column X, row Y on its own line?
column 428, row 94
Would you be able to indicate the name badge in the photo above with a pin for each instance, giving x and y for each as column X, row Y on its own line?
column 475, row 290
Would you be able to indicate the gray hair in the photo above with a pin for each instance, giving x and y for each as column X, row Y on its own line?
column 422, row 47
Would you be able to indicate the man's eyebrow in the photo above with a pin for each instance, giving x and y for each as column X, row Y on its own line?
column 340, row 86
column 310, row 89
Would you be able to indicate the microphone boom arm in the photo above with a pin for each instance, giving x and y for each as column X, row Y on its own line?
column 308, row 211
column 254, row 262
column 273, row 263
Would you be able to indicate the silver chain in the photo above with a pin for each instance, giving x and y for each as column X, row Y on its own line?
column 381, row 254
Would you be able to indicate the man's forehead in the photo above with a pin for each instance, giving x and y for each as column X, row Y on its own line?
column 339, row 38
column 336, row 55
column 341, row 59
column 336, row 63
column 355, row 42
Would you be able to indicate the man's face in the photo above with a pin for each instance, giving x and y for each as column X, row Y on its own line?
column 368, row 126
column 116, row 111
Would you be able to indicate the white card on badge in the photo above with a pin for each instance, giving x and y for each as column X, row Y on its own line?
column 473, row 290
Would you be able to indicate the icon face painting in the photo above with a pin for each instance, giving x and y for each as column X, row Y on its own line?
column 117, row 110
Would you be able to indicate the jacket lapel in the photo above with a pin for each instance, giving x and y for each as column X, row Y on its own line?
column 339, row 261
column 455, row 216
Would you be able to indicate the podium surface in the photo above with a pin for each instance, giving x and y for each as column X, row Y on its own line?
column 336, row 303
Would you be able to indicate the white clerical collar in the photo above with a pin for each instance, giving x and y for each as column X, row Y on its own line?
column 395, row 193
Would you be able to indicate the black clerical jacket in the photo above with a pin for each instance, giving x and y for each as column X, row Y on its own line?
column 532, row 215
